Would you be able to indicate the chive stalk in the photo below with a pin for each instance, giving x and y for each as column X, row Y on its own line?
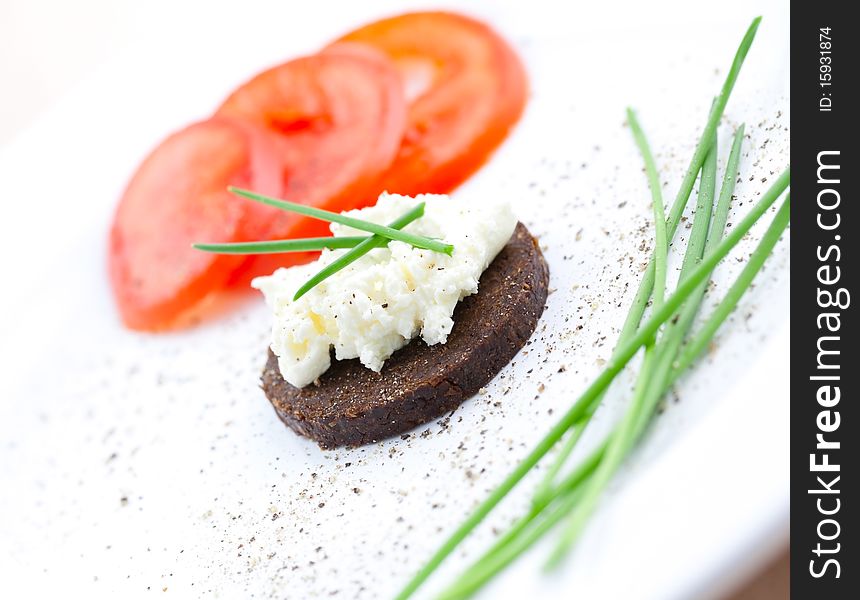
column 360, row 224
column 680, row 325
column 698, row 343
column 646, row 285
column 488, row 565
column 628, row 335
column 365, row 246
column 544, row 489
column 520, row 538
column 282, row 246
column 677, row 209
column 621, row 440
column 597, row 387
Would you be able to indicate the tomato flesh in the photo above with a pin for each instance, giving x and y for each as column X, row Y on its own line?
column 469, row 89
column 338, row 118
column 179, row 196
column 412, row 104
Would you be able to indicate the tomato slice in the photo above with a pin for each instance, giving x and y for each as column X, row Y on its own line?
column 469, row 89
column 178, row 196
column 338, row 118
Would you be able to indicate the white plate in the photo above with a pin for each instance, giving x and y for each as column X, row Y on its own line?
column 135, row 463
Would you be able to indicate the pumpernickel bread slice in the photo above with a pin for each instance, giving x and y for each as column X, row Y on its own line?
column 352, row 405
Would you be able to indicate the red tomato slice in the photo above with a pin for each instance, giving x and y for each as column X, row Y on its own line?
column 471, row 89
column 178, row 196
column 338, row 118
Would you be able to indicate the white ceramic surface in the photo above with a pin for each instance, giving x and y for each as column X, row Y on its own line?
column 136, row 464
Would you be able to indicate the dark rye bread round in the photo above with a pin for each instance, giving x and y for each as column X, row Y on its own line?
column 351, row 405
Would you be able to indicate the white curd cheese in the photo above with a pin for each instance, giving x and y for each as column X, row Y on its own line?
column 377, row 304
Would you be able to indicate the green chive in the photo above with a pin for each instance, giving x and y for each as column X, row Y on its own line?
column 333, row 217
column 568, row 492
column 646, row 286
column 279, row 246
column 485, row 567
column 628, row 334
column 621, row 442
column 597, row 387
column 643, row 294
column 365, row 246
column 677, row 208
column 544, row 489
column 661, row 244
column 680, row 325
column 692, row 350
column 506, row 553
column 665, row 377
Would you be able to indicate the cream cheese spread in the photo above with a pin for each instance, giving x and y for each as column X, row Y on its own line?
column 377, row 304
